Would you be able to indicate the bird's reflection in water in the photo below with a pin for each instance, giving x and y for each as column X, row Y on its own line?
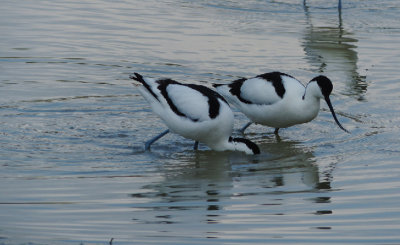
column 332, row 49
column 205, row 185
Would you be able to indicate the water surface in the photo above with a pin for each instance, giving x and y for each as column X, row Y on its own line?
column 72, row 126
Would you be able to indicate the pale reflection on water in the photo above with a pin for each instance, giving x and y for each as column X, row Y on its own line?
column 333, row 49
column 218, row 188
column 211, row 187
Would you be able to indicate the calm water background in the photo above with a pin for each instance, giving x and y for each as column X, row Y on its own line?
column 72, row 127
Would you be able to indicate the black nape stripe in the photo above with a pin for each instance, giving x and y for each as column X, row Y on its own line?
column 276, row 79
column 251, row 145
column 235, row 89
column 325, row 84
column 140, row 79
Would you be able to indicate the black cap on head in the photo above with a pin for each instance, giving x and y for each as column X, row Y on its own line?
column 325, row 84
column 250, row 144
column 326, row 87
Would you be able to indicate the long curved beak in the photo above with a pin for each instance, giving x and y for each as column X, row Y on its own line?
column 328, row 101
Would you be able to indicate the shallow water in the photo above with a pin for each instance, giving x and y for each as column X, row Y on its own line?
column 72, row 126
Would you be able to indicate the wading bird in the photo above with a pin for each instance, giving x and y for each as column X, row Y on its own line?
column 278, row 100
column 194, row 112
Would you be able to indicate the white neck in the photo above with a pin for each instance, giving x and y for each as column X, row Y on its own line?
column 313, row 91
column 311, row 100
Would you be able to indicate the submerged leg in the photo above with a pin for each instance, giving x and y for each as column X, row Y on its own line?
column 196, row 145
column 278, row 138
column 245, row 126
column 151, row 141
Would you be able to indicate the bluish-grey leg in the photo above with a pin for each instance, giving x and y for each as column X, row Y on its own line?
column 196, row 145
column 245, row 126
column 340, row 4
column 278, row 138
column 151, row 141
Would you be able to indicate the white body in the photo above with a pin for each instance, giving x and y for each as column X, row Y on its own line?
column 195, row 123
column 298, row 105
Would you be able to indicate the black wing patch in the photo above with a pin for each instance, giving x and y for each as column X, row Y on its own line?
column 276, row 79
column 235, row 89
column 163, row 83
column 213, row 103
column 272, row 77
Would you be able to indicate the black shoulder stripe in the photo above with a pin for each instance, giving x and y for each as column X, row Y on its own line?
column 276, row 79
column 163, row 84
column 212, row 96
column 213, row 103
column 235, row 89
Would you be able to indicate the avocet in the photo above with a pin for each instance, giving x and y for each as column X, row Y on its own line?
column 278, row 100
column 194, row 112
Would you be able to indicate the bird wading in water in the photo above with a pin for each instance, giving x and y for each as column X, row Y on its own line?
column 278, row 100
column 194, row 112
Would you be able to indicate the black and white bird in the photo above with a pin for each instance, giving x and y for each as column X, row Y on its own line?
column 194, row 112
column 278, row 100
